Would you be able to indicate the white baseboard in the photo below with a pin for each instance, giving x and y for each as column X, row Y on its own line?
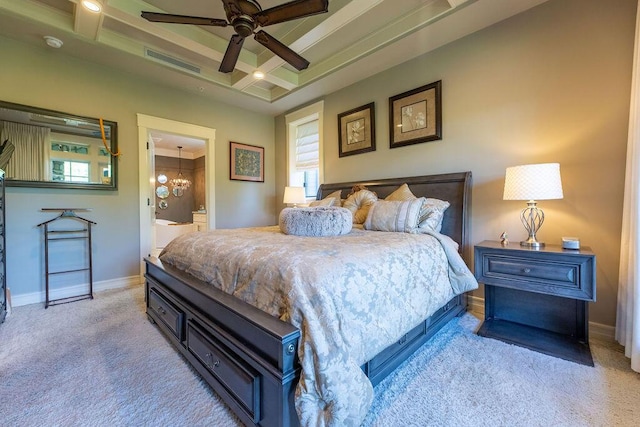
column 70, row 291
column 597, row 331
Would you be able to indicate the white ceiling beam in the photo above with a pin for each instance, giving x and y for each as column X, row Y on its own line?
column 333, row 23
column 456, row 3
column 191, row 38
column 399, row 28
column 128, row 12
column 85, row 22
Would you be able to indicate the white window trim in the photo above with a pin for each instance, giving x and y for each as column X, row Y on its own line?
column 292, row 120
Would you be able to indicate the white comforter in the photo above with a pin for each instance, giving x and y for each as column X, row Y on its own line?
column 351, row 296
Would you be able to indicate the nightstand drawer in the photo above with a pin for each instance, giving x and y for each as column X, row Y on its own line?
column 569, row 275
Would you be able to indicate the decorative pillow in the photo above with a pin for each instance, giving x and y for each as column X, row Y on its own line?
column 432, row 213
column 327, row 201
column 359, row 203
column 337, row 195
column 401, row 193
column 394, row 215
column 315, row 222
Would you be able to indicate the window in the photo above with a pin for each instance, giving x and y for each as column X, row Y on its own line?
column 304, row 153
column 69, row 171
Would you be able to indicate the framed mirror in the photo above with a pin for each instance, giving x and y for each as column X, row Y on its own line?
column 162, row 192
column 45, row 148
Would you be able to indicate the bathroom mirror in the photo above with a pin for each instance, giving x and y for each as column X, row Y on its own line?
column 162, row 178
column 57, row 150
column 177, row 191
column 163, row 204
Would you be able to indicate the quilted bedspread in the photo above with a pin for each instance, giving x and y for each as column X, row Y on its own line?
column 351, row 296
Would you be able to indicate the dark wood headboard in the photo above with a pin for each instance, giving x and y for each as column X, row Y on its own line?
column 452, row 187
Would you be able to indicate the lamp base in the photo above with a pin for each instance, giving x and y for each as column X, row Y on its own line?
column 532, row 243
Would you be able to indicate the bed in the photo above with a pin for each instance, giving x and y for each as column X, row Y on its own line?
column 262, row 359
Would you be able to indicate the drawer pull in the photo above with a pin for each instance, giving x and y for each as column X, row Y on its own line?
column 161, row 310
column 526, row 270
column 210, row 362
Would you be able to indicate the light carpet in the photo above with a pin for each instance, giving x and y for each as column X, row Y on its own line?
column 101, row 363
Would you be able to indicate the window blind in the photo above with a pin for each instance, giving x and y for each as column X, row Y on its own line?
column 307, row 146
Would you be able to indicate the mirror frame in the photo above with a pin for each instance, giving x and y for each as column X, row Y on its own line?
column 113, row 133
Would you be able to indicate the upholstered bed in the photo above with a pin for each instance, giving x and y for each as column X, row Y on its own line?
column 277, row 322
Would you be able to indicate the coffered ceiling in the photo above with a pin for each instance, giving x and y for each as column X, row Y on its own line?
column 354, row 40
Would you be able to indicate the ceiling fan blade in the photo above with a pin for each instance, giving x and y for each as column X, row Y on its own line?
column 231, row 55
column 183, row 19
column 281, row 50
column 292, row 10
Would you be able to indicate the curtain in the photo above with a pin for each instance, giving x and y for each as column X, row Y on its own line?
column 307, row 146
column 628, row 313
column 30, row 158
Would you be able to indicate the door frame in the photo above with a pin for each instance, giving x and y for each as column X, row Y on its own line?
column 147, row 199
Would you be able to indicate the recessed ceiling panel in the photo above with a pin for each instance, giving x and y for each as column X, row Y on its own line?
column 354, row 39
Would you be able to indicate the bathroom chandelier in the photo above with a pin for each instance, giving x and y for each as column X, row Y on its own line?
column 180, row 181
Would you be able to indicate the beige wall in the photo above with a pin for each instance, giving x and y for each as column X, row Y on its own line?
column 51, row 79
column 549, row 85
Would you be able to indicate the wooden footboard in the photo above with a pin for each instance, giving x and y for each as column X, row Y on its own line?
column 247, row 356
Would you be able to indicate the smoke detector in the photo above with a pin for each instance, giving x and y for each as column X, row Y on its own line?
column 53, row 42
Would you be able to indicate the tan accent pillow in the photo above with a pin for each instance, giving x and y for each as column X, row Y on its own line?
column 336, row 199
column 394, row 215
column 359, row 203
column 327, row 201
column 401, row 193
column 432, row 213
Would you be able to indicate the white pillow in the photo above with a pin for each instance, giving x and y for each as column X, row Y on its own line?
column 432, row 213
column 394, row 215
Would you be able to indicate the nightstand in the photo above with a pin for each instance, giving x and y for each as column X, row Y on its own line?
column 537, row 298
column 200, row 220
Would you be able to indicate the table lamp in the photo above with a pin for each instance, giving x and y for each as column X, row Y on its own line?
column 294, row 196
column 531, row 183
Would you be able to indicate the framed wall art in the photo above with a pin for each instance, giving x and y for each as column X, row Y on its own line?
column 357, row 130
column 247, row 162
column 416, row 116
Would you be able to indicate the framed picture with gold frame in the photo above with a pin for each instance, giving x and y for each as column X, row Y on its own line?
column 247, row 162
column 357, row 130
column 416, row 116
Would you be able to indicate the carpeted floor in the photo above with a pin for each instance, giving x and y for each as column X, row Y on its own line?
column 101, row 363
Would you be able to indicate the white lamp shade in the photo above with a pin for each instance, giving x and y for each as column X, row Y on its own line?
column 294, row 195
column 533, row 182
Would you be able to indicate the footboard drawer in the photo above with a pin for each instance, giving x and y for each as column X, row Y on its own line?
column 169, row 314
column 240, row 380
column 379, row 362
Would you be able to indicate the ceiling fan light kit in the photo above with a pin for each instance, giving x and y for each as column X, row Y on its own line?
column 245, row 16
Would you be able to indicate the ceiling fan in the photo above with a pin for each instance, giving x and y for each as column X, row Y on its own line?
column 245, row 16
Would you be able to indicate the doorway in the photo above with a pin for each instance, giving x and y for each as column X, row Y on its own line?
column 149, row 126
